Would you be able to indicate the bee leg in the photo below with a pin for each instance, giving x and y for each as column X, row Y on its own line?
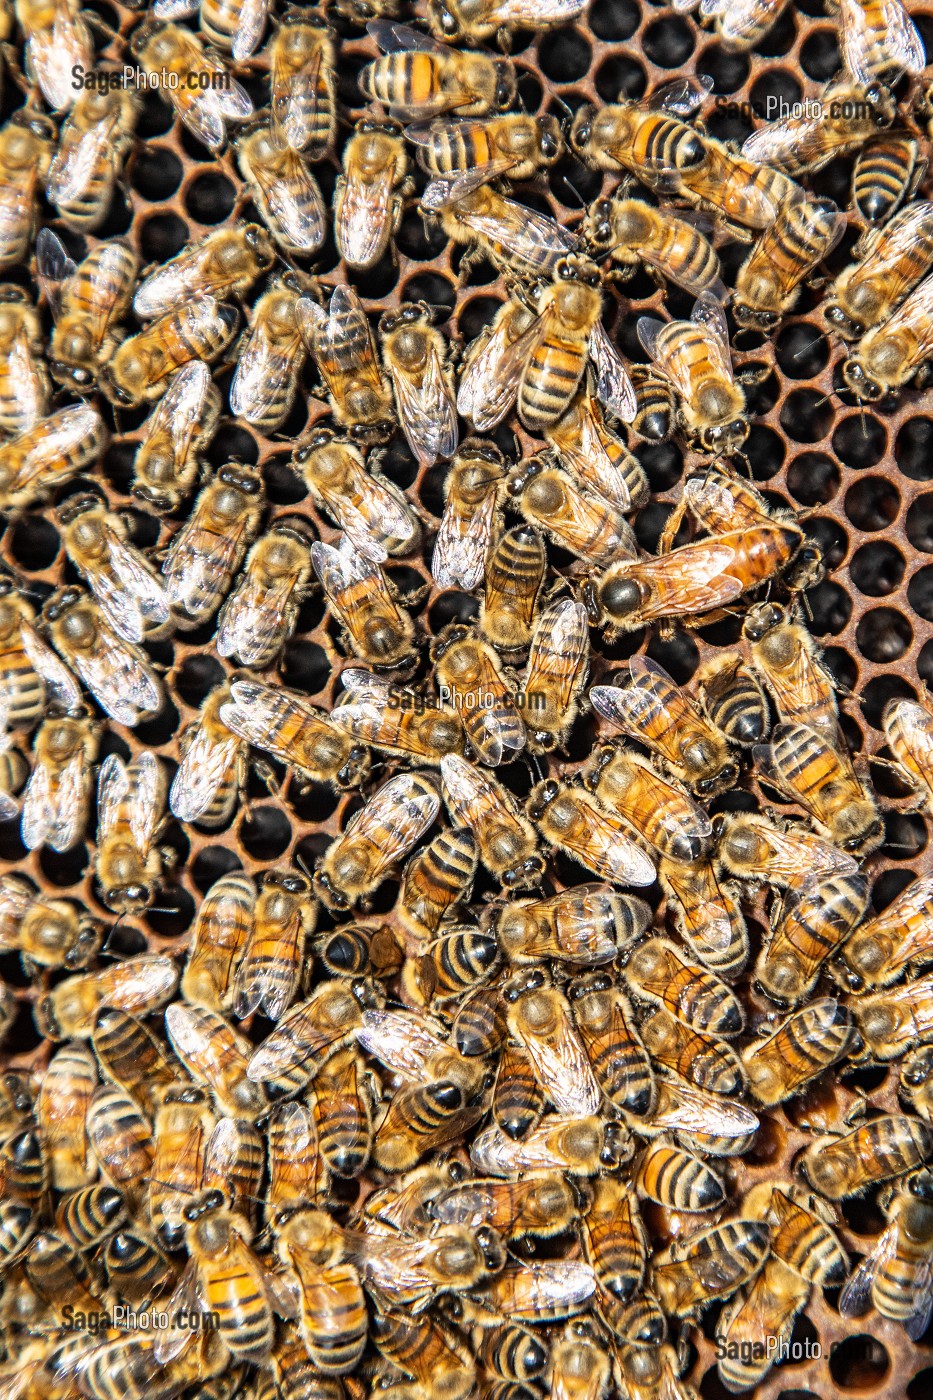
column 266, row 774
column 672, row 525
column 857, row 1112
column 169, row 858
column 752, row 374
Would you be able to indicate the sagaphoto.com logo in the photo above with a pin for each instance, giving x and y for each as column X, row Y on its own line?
column 399, row 698
column 143, row 80
column 127, row 1319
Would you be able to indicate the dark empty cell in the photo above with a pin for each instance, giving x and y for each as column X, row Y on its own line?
column 921, row 1386
column 155, row 118
column 860, row 441
column 872, row 503
column 728, row 69
column 730, row 123
column 196, row 677
column 905, row 835
column 305, row 667
column 33, row 542
column 312, row 802
column 266, row 833
column 764, row 450
column 919, row 524
column 475, row 315
column 530, row 90
column 284, row 486
column 879, row 692
column 913, row 449
column 780, row 37
column 831, row 538
column 761, row 396
column 452, row 607
column 574, row 184
column 377, row 282
column 162, row 237
column 851, row 733
column 614, row 19
column 925, row 664
column 679, row 656
column 669, row 42
column 819, row 55
column 419, row 243
column 348, row 69
column 431, row 490
column 232, row 444
column 432, row 288
column 877, row 569
column 397, row 463
column 620, row 77
column 774, row 89
column 407, row 582
column 173, row 913
column 883, row 635
column 210, row 864
column 813, row 478
column 119, row 217
column 64, row 868
column 210, row 197
column 564, row 55
column 884, row 891
column 161, row 729
column 841, row 667
column 117, row 465
column 651, row 522
column 920, row 592
column 830, row 608
column 801, row 350
column 663, row 463
column 193, row 148
column 806, row 416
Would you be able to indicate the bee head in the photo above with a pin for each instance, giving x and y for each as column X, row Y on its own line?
column 443, row 20
column 620, row 596
column 506, row 87
column 581, row 133
column 863, row 385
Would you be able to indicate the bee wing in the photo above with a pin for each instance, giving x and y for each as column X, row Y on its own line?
column 692, row 1110
column 363, row 217
column 200, row 774
column 168, row 285
column 708, row 312
column 51, row 815
column 363, row 718
column 860, row 35
column 562, row 1065
column 53, row 267
column 614, row 388
column 252, row 618
column 559, row 650
column 487, row 391
column 545, row 11
column 297, row 206
column 16, row 898
column 113, row 788
column 610, row 854
column 249, row 28
column 268, row 971
column 490, row 732
column 401, row 1041
column 54, row 52
column 338, row 569
column 186, row 1301
column 145, row 812
column 260, row 373
column 463, row 786
column 61, row 686
column 175, row 9
column 681, row 97
column 25, row 386
column 856, row 1295
column 459, row 558
column 401, row 38
column 120, row 682
column 181, row 409
column 130, row 593
column 779, row 141
column 8, row 807
column 919, row 1320
column 256, row 711
column 448, row 189
column 426, row 410
column 77, row 161
column 688, row 591
column 201, row 115
column 401, row 811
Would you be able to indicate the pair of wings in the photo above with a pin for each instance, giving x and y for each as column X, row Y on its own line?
column 201, row 773
column 265, row 373
column 55, row 804
column 650, row 707
column 409, row 1044
column 206, row 111
column 559, row 652
column 180, row 412
column 603, row 848
column 427, row 410
column 472, row 795
column 54, row 51
column 375, row 517
column 562, row 1067
column 132, row 795
column 395, row 817
column 120, row 681
column 106, row 278
column 81, row 156
column 254, row 619
column 127, row 589
column 709, row 320
column 353, row 584
column 856, row 1295
column 373, row 698
column 463, row 540
column 249, row 28
column 299, row 1036
column 55, row 448
column 294, row 200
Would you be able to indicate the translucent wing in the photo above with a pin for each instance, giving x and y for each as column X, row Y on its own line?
column 396, row 816
column 77, row 161
column 175, row 9
column 683, row 96
column 181, row 410
column 427, row 411
column 708, row 312
column 686, row 587
column 120, row 682
column 406, row 1043
column 447, row 189
column 860, row 33
column 562, row 1067
column 146, row 812
column 253, row 618
column 545, row 11
column 52, row 813
column 186, row 1301
column 856, row 1295
column 779, row 141
column 113, row 789
column 262, row 371
column 614, row 388
column 53, row 267
column 610, row 854
column 362, row 219
column 559, row 649
column 169, row 285
column 686, row 1108
column 488, row 384
column 16, row 899
column 461, row 546
column 55, row 50
column 648, row 328
column 26, row 386
column 266, row 977
column 297, row 207
column 200, row 775
column 401, row 38
column 130, row 592
column 340, row 569
column 63, row 690
column 250, row 27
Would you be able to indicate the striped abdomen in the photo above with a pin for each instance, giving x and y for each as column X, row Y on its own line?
column 343, row 1123
column 333, row 1322
column 550, row 380
column 885, row 173
column 676, row 1179
column 439, row 876
column 518, row 1099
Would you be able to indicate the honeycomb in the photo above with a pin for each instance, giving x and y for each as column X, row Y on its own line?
column 863, row 477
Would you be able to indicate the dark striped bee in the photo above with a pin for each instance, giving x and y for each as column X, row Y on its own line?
column 342, row 344
column 803, row 233
column 285, row 190
column 93, row 145
column 647, row 139
column 631, row 232
column 417, row 77
column 515, row 145
column 886, row 173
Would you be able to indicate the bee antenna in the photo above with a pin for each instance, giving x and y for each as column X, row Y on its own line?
column 571, row 186
column 805, row 604
column 302, row 866
column 556, row 97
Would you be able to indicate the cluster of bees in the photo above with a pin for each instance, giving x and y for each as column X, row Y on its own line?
column 485, row 1143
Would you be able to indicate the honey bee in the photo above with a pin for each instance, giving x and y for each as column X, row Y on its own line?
column 371, row 511
column 139, row 987
column 787, row 658
column 541, row 1204
column 539, row 1020
column 268, row 971
column 632, row 232
column 297, row 1174
column 397, row 720
column 358, row 591
column 283, row 723
column 48, row 454
column 85, row 1218
column 27, row 146
column 895, row 1019
column 115, row 1365
column 56, row 39
column 515, row 568
column 897, row 1276
column 572, row 819
column 517, row 1099
column 228, row 24
column 455, row 20
column 774, row 1298
column 908, row 728
column 221, row 931
column 270, row 360
column 204, row 104
column 183, row 422
column 803, row 765
column 207, row 551
column 116, row 672
column 742, row 194
column 678, row 1180
column 693, row 357
column 415, row 358
column 584, row 926
column 505, row 839
column 450, row 966
column 658, row 809
column 285, row 191
column 435, row 880
column 556, row 672
column 707, row 915
column 470, row 675
column 581, row 1368
column 344, row 350
column 260, row 615
column 61, row 1113
column 424, row 1118
column 369, row 193
column 705, row 1060
column 331, row 1303
column 132, row 1058
column 343, row 1113
column 660, row 973
column 95, row 140
column 25, row 388
column 226, row 263
column 440, row 1362
column 890, row 355
column 412, row 1045
column 489, row 376
column 878, row 43
column 896, row 938
column 216, row 1056
column 768, row 283
column 380, row 833
column 30, row 676
column 140, row 368
column 809, row 1041
column 121, row 1140
column 614, row 1241
column 302, row 80
column 604, row 1018
column 515, row 238
column 515, row 145
column 418, row 78
column 732, row 696
column 708, row 1265
column 122, row 580
column 848, row 115
column 130, row 810
column 753, row 848
column 895, row 258
column 593, row 453
column 875, row 1151
column 576, row 518
column 212, row 771
column 473, row 493
column 886, row 173
column 45, row 932
column 56, row 797
column 647, row 139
